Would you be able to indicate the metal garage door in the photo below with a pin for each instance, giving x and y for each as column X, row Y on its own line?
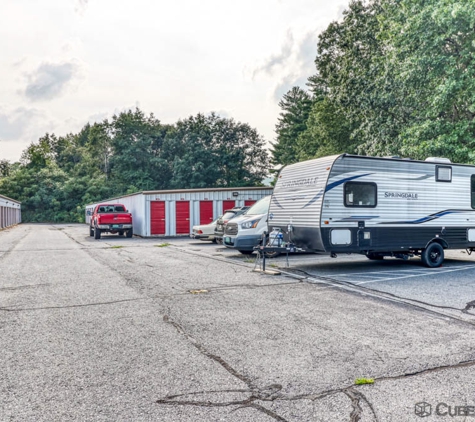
column 206, row 212
column 182, row 217
column 249, row 202
column 157, row 217
column 227, row 205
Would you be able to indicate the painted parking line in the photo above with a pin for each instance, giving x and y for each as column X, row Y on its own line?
column 411, row 274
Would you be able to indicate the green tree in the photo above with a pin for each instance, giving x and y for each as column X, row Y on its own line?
column 328, row 132
column 296, row 105
column 137, row 156
column 210, row 151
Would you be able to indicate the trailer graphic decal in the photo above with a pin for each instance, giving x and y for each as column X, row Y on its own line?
column 331, row 186
column 429, row 217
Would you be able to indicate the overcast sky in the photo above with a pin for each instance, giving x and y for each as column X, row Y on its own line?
column 64, row 63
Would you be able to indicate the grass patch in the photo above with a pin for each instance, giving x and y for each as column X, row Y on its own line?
column 116, row 247
column 163, row 245
column 362, row 381
column 197, row 292
column 248, row 260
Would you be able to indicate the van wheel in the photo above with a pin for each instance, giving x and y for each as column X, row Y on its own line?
column 433, row 255
column 271, row 254
column 246, row 252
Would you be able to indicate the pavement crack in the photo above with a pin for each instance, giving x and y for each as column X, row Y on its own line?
column 470, row 305
column 357, row 410
column 357, row 398
column 208, row 354
column 267, row 393
column 462, row 364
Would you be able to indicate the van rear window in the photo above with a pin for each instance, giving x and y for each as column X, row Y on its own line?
column 360, row 194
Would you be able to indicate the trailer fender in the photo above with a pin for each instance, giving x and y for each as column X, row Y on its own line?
column 439, row 240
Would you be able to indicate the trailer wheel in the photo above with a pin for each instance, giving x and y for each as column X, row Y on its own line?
column 433, row 255
column 97, row 233
column 91, row 231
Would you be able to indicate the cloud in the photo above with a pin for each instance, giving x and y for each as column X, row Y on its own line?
column 277, row 60
column 50, row 80
column 17, row 123
column 81, row 6
column 293, row 65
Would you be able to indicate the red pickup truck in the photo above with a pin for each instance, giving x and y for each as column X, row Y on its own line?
column 111, row 218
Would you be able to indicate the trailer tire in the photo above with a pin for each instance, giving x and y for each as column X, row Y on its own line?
column 433, row 255
column 97, row 233
column 130, row 233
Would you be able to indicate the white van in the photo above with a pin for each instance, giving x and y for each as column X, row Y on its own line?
column 245, row 232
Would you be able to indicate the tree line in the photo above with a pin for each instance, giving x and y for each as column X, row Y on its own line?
column 57, row 176
column 393, row 77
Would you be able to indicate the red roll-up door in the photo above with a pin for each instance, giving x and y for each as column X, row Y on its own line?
column 249, row 202
column 206, row 212
column 182, row 217
column 157, row 217
column 227, row 205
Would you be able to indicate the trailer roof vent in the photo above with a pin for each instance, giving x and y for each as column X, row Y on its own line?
column 438, row 160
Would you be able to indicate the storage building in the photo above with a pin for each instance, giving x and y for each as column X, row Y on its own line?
column 175, row 212
column 10, row 212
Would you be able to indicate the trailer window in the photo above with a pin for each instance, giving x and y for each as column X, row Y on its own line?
column 443, row 174
column 360, row 194
column 472, row 185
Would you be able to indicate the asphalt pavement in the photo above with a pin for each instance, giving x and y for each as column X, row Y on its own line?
column 159, row 329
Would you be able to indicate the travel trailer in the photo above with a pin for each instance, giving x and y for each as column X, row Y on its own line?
column 376, row 206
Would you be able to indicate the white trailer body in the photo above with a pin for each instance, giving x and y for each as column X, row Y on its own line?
column 376, row 206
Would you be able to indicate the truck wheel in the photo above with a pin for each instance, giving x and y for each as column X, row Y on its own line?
column 246, row 252
column 97, row 233
column 433, row 255
column 130, row 233
column 91, row 231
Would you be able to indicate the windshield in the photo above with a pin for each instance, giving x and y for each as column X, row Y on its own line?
column 260, row 207
column 227, row 215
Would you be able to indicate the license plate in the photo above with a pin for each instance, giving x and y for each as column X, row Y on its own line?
column 116, row 226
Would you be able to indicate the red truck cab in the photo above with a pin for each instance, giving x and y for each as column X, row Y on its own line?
column 110, row 218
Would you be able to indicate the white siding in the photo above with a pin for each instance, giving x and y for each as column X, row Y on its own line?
column 139, row 205
column 10, row 212
column 298, row 193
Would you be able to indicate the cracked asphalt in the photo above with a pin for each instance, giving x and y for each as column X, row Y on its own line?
column 138, row 329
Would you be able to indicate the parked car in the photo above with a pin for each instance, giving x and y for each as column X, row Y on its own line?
column 223, row 220
column 111, row 218
column 205, row 231
column 245, row 232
